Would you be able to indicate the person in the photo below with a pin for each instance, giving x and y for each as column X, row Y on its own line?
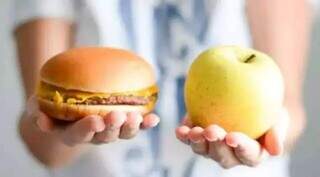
column 168, row 34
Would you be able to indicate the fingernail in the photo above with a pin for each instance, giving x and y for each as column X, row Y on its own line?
column 100, row 128
column 210, row 138
column 115, row 121
column 196, row 139
column 40, row 125
column 155, row 123
column 150, row 123
column 231, row 143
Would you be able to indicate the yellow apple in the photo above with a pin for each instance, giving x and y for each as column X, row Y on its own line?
column 237, row 88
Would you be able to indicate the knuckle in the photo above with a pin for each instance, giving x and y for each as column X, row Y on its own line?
column 98, row 142
column 128, row 133
column 127, row 136
column 102, row 141
column 224, row 162
column 105, row 137
column 252, row 163
column 227, row 166
column 227, row 163
column 198, row 151
column 110, row 140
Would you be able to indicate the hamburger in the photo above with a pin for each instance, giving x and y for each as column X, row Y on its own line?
column 95, row 80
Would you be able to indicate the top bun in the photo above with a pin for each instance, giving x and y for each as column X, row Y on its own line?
column 98, row 69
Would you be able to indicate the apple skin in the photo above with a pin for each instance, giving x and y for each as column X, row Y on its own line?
column 237, row 88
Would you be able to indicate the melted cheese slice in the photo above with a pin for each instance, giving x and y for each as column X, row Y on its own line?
column 60, row 95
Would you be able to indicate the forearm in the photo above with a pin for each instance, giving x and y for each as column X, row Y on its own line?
column 36, row 42
column 281, row 29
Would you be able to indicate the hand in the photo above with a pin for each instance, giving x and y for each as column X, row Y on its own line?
column 234, row 148
column 92, row 129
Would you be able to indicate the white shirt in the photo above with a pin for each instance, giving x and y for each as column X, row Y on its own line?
column 168, row 34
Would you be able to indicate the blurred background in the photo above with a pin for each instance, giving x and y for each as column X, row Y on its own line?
column 16, row 162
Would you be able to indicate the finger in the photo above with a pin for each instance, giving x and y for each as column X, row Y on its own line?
column 83, row 130
column 218, row 150
column 187, row 122
column 113, row 122
column 214, row 133
column 149, row 121
column 195, row 135
column 44, row 123
column 248, row 151
column 132, row 125
column 223, row 154
column 272, row 143
column 275, row 137
column 182, row 134
column 198, row 143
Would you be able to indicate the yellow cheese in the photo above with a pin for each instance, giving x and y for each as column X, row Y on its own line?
column 60, row 95
column 72, row 101
column 57, row 98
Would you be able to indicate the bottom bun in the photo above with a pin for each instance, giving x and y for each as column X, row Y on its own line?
column 69, row 112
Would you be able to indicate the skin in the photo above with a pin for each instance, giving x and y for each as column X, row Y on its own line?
column 37, row 41
column 275, row 30
column 49, row 36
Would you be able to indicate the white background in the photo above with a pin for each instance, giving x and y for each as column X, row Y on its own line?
column 16, row 162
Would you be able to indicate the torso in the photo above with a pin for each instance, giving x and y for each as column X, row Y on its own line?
column 169, row 34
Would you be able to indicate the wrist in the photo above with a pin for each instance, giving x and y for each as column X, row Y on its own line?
column 296, row 125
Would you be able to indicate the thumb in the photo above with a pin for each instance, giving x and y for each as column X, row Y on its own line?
column 275, row 138
column 44, row 123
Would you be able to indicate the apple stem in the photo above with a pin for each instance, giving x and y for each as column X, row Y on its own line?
column 249, row 59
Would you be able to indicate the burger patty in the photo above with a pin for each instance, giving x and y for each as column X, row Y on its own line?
column 117, row 100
